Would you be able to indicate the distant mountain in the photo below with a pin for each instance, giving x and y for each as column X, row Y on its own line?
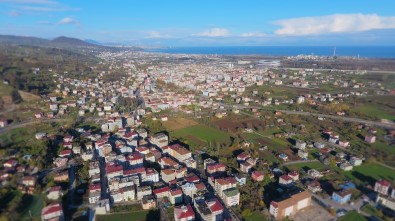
column 22, row 40
column 59, row 42
column 90, row 41
column 70, row 41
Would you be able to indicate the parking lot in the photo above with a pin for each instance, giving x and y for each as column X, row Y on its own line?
column 313, row 213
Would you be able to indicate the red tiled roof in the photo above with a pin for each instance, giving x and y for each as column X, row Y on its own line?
column 161, row 190
column 184, row 212
column 217, row 206
column 384, row 183
column 52, row 208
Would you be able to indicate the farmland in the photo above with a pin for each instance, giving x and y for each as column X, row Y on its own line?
column 233, row 125
column 174, row 124
column 201, row 134
column 370, row 172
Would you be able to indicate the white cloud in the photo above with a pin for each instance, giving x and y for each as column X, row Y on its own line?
column 337, row 23
column 46, row 2
column 68, row 21
column 214, row 32
column 14, row 13
column 156, row 34
column 254, row 34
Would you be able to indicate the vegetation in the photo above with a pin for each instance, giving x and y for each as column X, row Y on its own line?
column 370, row 172
column 142, row 215
column 354, row 216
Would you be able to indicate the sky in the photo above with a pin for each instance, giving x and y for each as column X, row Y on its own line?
column 205, row 22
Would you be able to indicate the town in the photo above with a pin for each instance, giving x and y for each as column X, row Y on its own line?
column 149, row 136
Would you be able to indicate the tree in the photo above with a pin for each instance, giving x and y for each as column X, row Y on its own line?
column 16, row 97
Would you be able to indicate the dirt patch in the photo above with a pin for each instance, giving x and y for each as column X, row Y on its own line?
column 28, row 96
column 234, row 125
column 178, row 123
column 290, row 154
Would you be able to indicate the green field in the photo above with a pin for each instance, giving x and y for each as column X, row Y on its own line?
column 354, row 216
column 34, row 205
column 306, row 166
column 201, row 134
column 135, row 216
column 375, row 111
column 370, row 172
column 255, row 217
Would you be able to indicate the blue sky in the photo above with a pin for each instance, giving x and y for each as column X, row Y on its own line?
column 204, row 22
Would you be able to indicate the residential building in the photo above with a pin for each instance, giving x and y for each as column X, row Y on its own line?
column 231, row 196
column 52, row 212
column 342, row 196
column 184, row 213
column 288, row 207
column 382, row 187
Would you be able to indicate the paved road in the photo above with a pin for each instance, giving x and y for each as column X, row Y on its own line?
column 24, row 124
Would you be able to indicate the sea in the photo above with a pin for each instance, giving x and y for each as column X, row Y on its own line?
column 349, row 51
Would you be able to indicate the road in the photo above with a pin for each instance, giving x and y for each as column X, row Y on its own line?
column 24, row 124
column 163, row 213
column 303, row 113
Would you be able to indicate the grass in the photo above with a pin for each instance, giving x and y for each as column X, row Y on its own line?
column 354, row 216
column 371, row 210
column 370, row 172
column 178, row 123
column 142, row 215
column 306, row 166
column 255, row 217
column 202, row 133
column 35, row 206
column 374, row 111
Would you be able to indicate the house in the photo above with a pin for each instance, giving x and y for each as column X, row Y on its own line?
column 314, row 186
column 294, row 175
column 11, row 163
column 168, row 175
column 29, row 181
column 148, row 202
column 175, row 196
column 342, row 196
column 52, row 212
column 355, row 161
column 189, row 190
column 346, row 166
column 285, row 181
column 161, row 192
column 301, row 145
column 245, row 167
column 62, row 176
column 370, row 138
column 184, row 213
column 257, row 176
column 223, row 184
column 241, row 179
column 208, row 209
column 382, row 187
column 231, row 197
column 142, row 191
column 303, row 154
column 314, row 173
column 283, row 156
column 215, row 168
column 54, row 193
column 289, row 206
column 387, row 203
